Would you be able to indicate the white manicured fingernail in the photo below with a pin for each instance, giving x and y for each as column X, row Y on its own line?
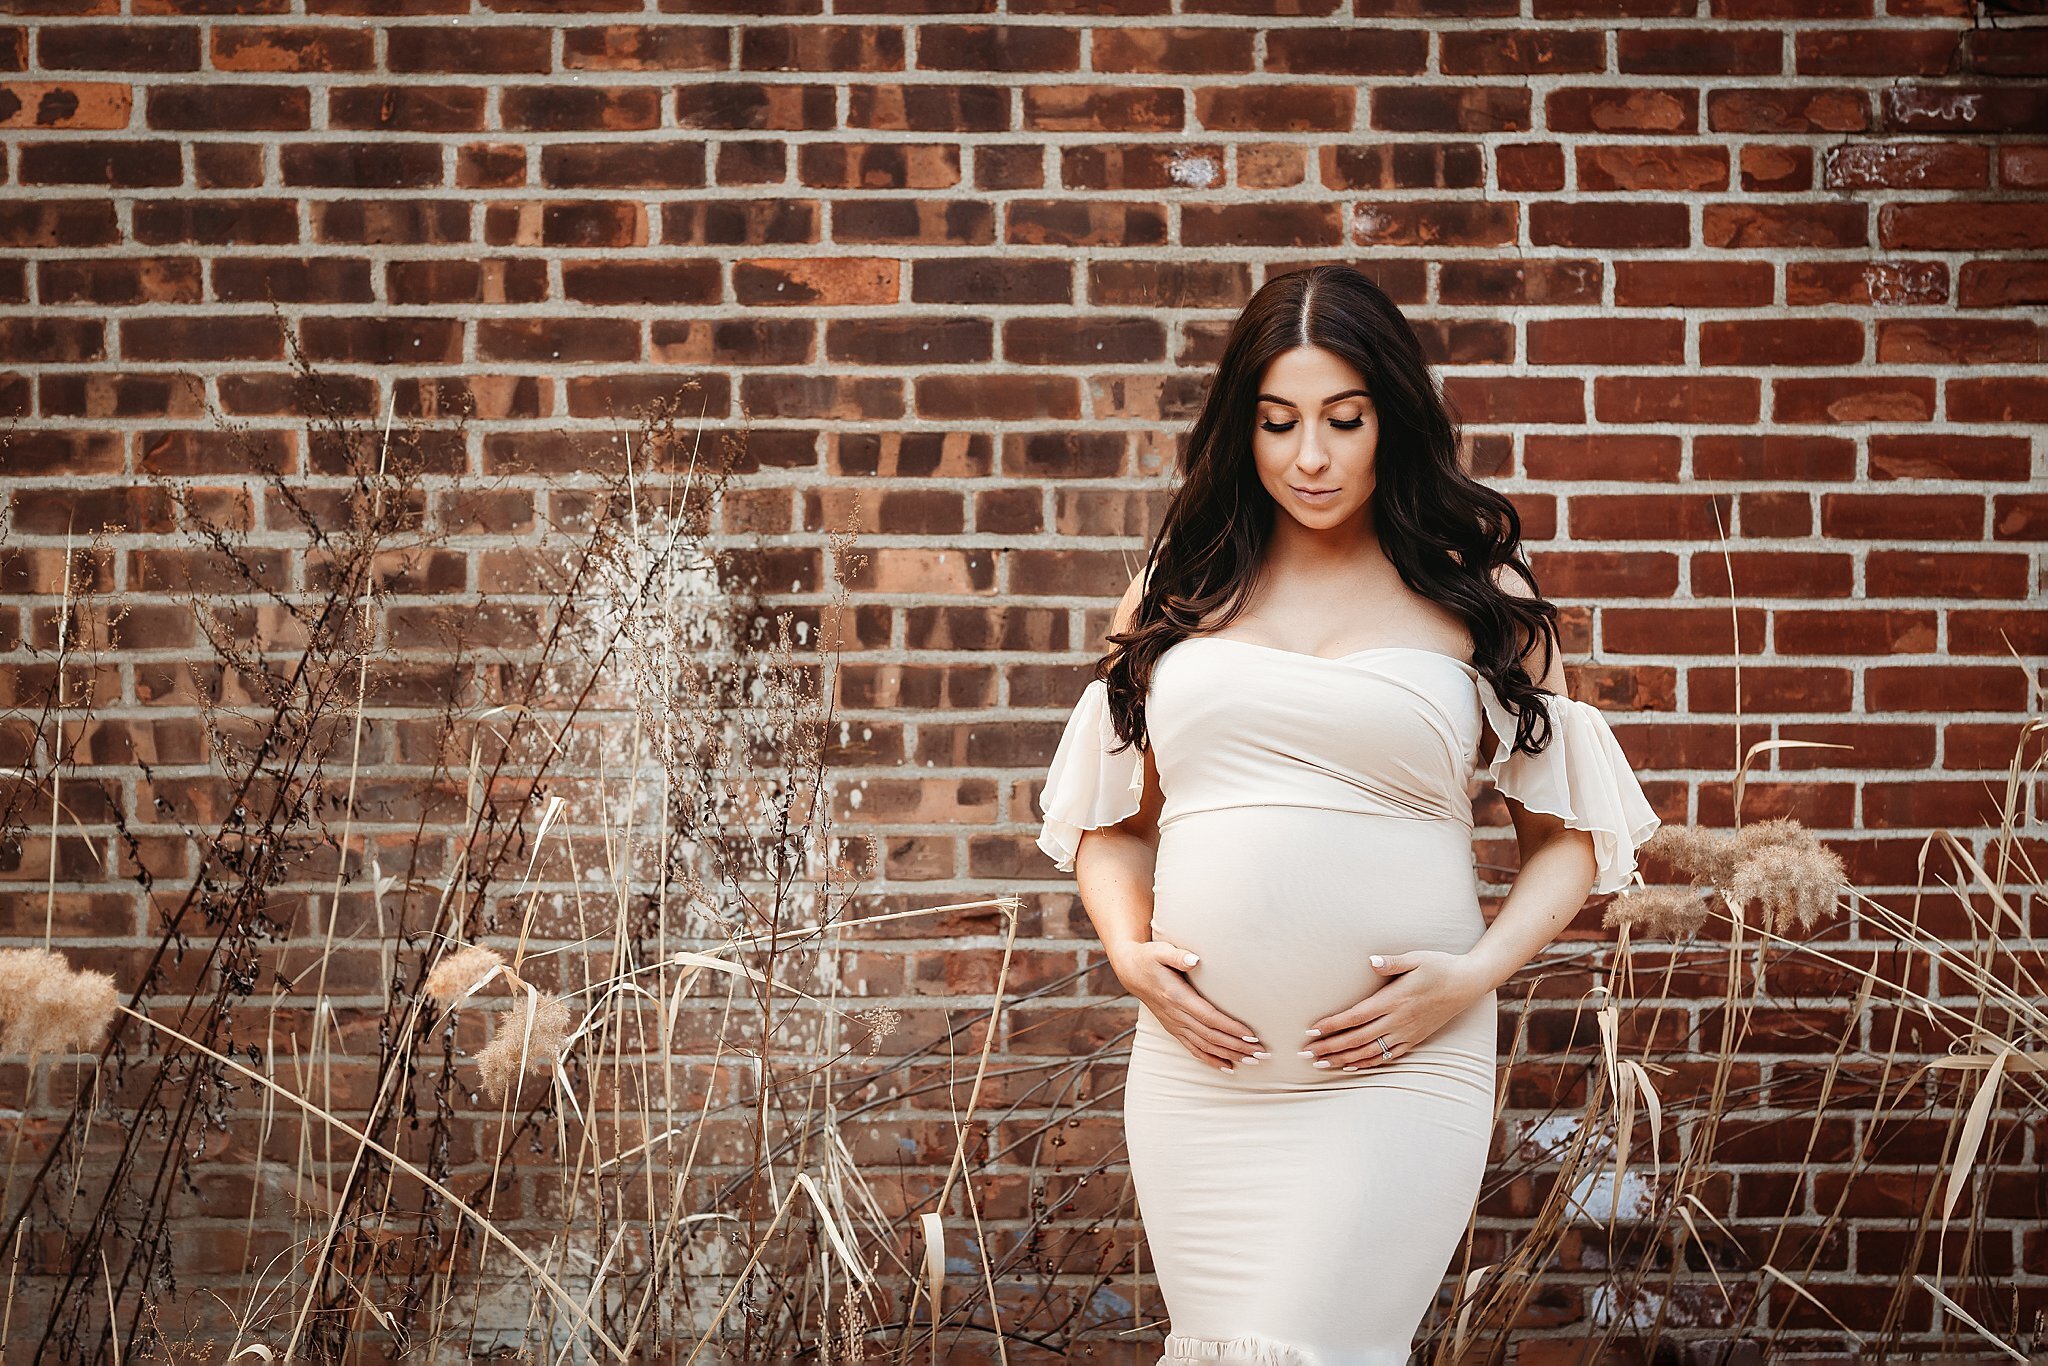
column 1315, row 1033
column 1322, row 1062
column 1191, row 960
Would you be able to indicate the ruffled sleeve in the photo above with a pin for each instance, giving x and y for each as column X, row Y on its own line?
column 1581, row 775
column 1086, row 785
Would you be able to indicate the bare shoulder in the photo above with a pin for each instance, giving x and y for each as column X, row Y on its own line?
column 1127, row 606
column 1511, row 582
column 1549, row 674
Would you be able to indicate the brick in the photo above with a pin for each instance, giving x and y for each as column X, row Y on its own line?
column 497, row 397
column 55, row 451
column 118, row 47
column 1652, row 168
column 407, row 108
column 332, row 280
column 868, row 222
column 485, row 281
column 1650, row 516
column 756, row 161
column 559, row 109
column 837, row 282
column 646, row 47
column 99, row 394
column 1725, row 51
column 613, row 165
column 1893, row 516
column 117, row 164
column 754, row 223
column 1773, row 573
column 1086, row 223
column 292, row 47
column 813, row 48
column 404, row 339
column 370, row 222
column 1488, row 52
column 236, row 107
column 483, row 49
column 490, row 166
column 1609, row 226
column 604, row 282
column 740, row 105
column 1914, row 573
column 1829, row 342
column 1100, row 341
column 65, row 104
column 202, row 453
column 1979, row 226
column 1402, row 108
column 573, row 341
column 1624, row 109
column 201, row 337
column 120, row 281
column 582, row 223
column 1607, row 341
column 1910, row 106
column 47, row 339
column 381, row 165
column 909, row 341
column 275, row 394
column 1790, row 109
column 217, row 222
column 227, row 166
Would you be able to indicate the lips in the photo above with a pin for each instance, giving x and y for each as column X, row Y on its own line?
column 1311, row 493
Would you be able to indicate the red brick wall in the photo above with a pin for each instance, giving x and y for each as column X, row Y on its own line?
column 1773, row 270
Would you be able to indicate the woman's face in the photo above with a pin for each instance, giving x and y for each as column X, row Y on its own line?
column 1314, row 436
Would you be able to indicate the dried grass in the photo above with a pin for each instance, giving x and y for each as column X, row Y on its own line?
column 737, row 1157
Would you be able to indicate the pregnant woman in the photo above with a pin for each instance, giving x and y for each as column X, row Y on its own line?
column 1265, row 794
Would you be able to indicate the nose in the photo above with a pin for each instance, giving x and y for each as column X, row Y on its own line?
column 1311, row 459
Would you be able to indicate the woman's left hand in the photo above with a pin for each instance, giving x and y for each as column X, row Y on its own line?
column 1429, row 988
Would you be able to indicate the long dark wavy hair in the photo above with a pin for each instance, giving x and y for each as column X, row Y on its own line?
column 1445, row 532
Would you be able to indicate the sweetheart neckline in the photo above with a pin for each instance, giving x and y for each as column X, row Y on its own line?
column 1467, row 665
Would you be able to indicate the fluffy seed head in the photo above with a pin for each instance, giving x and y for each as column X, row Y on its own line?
column 501, row 1060
column 45, row 1007
column 459, row 973
column 1658, row 912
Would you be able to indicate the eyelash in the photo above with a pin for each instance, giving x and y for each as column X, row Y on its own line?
column 1353, row 425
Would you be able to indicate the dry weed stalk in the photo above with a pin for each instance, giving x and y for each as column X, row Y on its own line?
column 721, row 1150
column 1664, row 1249
column 647, row 817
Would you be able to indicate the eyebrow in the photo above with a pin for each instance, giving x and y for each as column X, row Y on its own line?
column 1290, row 403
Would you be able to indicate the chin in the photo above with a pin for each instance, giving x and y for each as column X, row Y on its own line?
column 1323, row 519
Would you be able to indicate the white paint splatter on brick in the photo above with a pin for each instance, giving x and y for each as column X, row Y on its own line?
column 1195, row 172
column 1368, row 223
column 1921, row 101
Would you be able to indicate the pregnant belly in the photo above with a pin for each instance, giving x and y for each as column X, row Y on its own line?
column 1285, row 904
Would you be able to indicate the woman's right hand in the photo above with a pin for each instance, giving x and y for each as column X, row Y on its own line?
column 1156, row 973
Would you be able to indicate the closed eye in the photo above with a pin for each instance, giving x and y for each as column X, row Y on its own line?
column 1353, row 425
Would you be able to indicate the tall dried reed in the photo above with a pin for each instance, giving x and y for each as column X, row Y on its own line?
column 524, row 993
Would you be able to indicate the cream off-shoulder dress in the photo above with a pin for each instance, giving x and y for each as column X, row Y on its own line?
column 1318, row 810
